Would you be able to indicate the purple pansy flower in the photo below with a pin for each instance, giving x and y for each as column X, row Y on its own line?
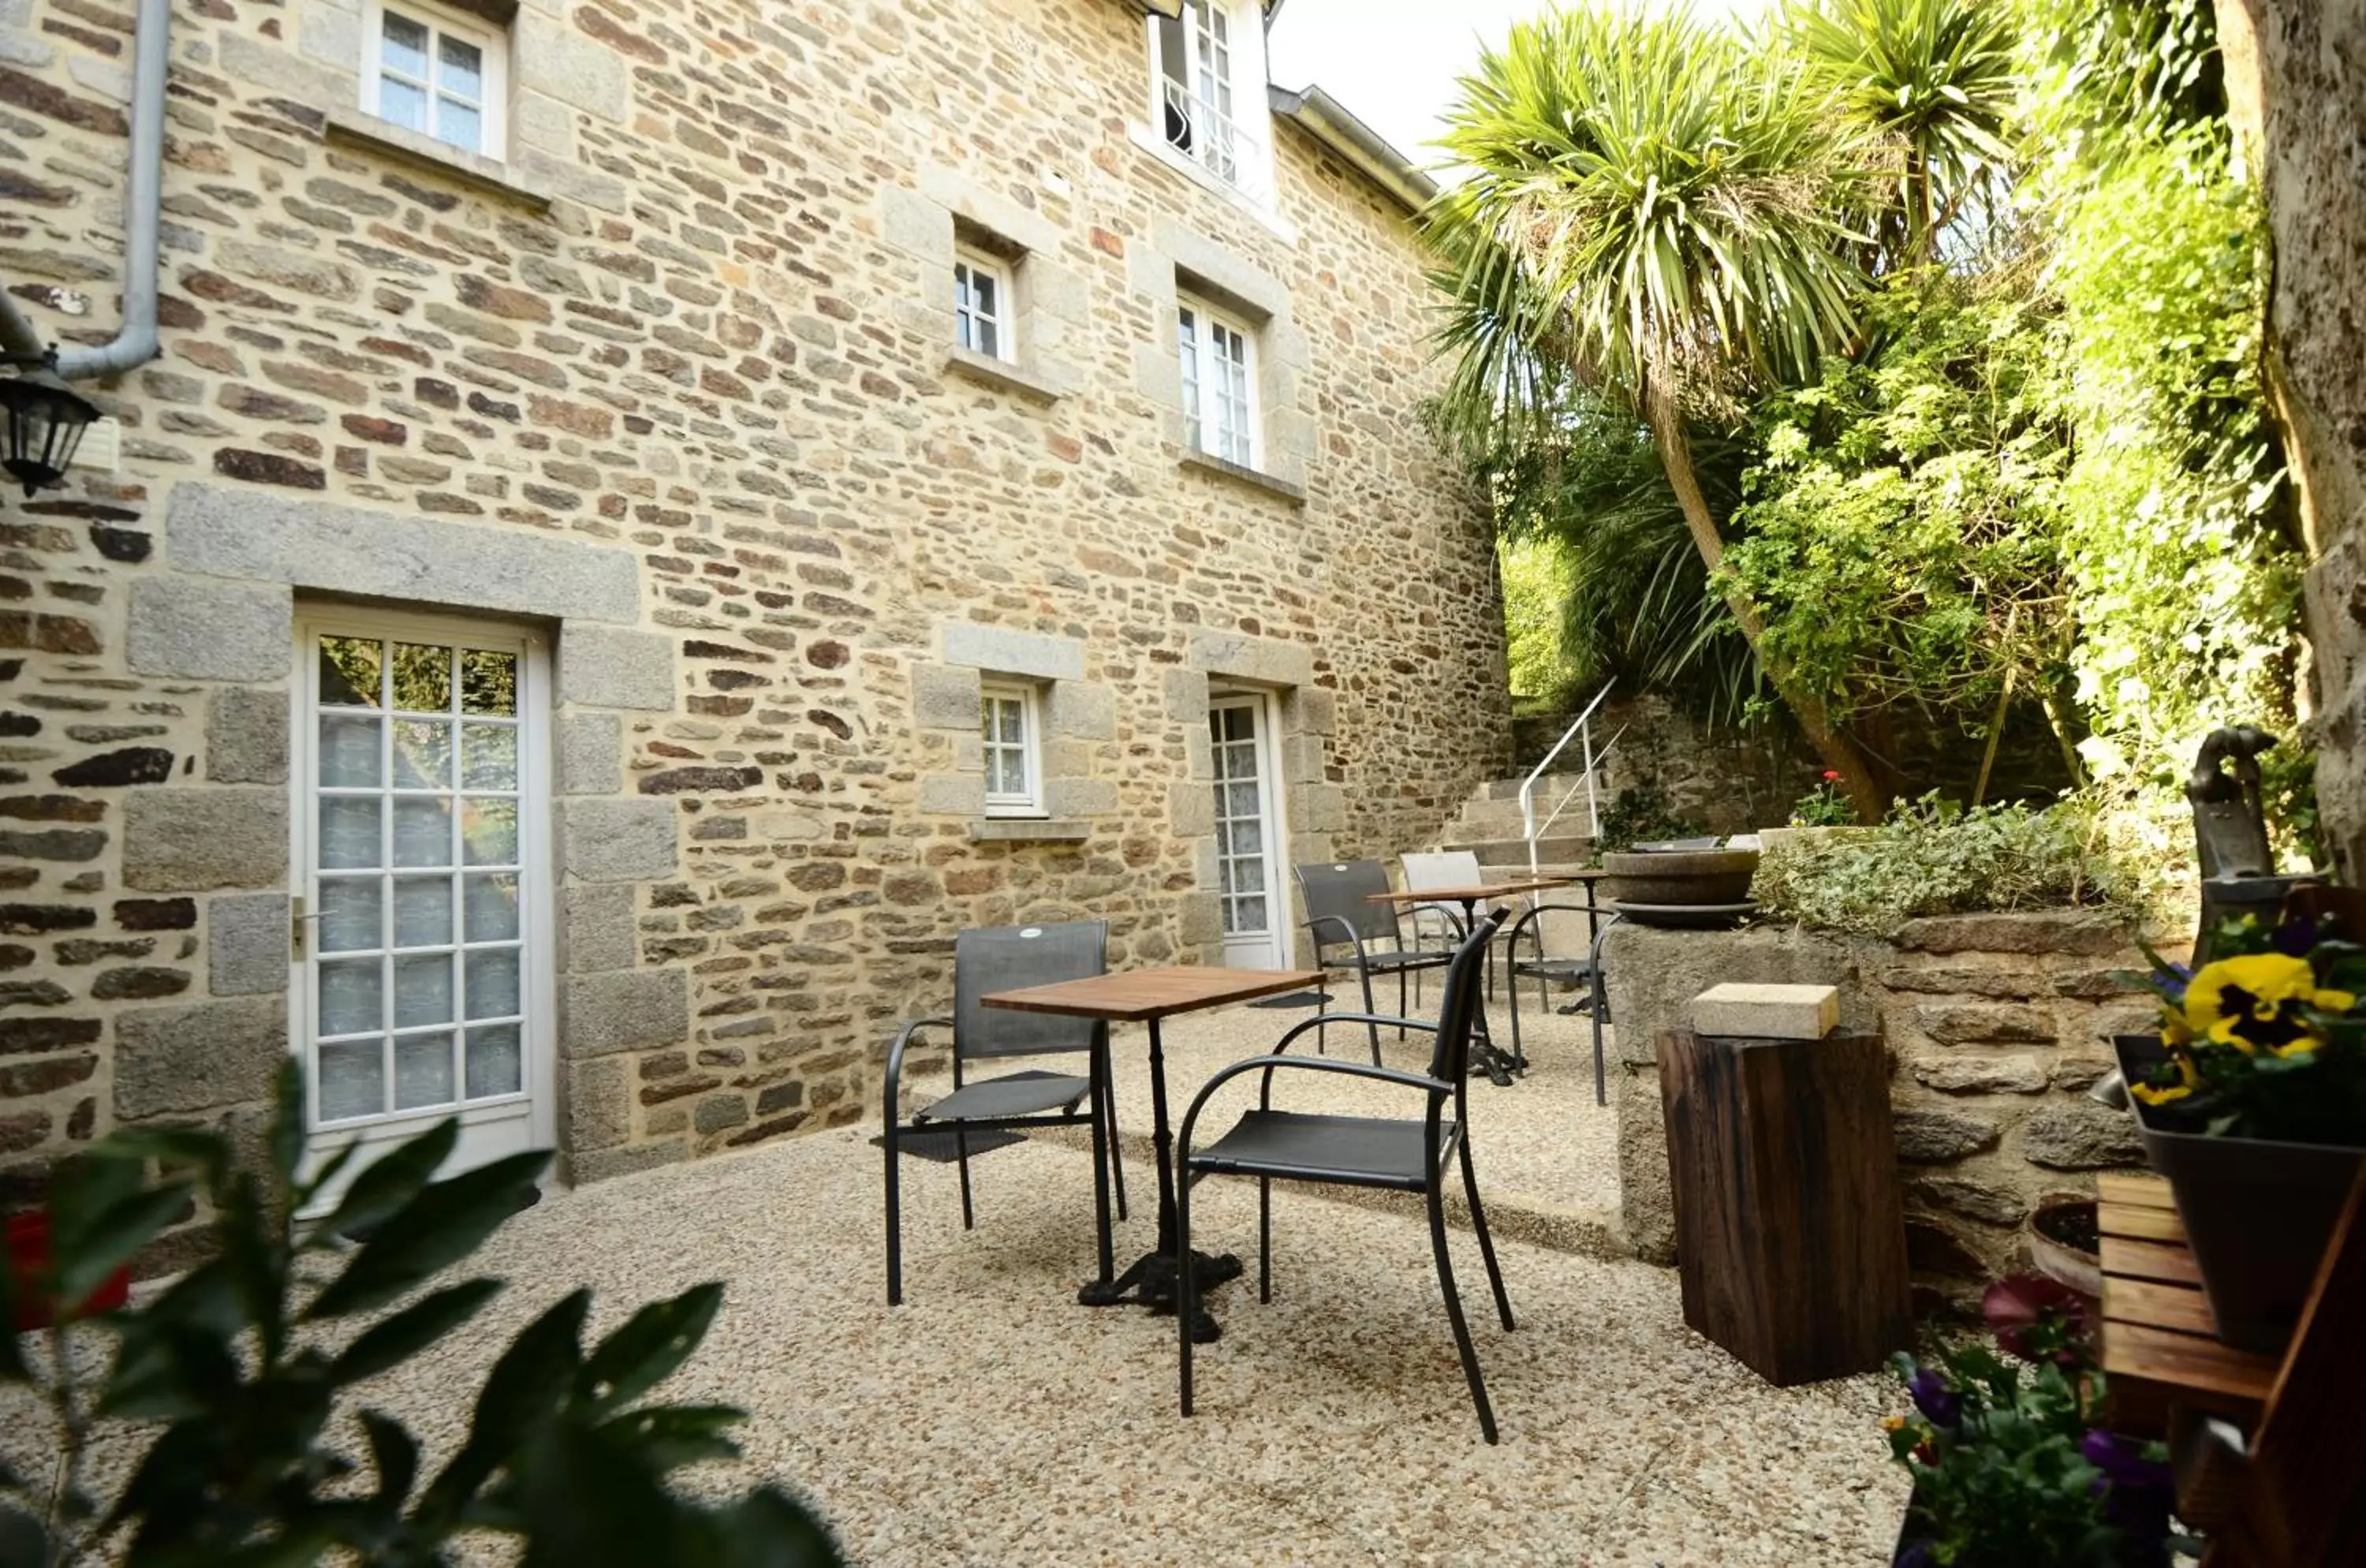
column 1939, row 1406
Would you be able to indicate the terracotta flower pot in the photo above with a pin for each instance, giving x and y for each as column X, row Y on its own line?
column 2060, row 1235
column 2257, row 1214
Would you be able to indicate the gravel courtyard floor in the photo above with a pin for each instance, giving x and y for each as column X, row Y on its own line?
column 992, row 1421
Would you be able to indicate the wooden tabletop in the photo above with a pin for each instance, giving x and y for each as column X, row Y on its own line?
column 1133, row 996
column 2161, row 1343
column 1478, row 894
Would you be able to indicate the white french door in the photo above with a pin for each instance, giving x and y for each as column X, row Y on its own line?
column 423, row 980
column 1252, row 888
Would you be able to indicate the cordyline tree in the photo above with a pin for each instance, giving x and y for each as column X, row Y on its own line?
column 1674, row 218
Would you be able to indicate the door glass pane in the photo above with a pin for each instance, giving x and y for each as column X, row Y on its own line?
column 353, row 1080
column 353, row 996
column 1248, row 875
column 349, row 751
column 422, row 677
column 496, row 1061
column 422, row 754
column 349, row 831
column 1251, row 917
column 349, row 671
column 488, row 756
column 493, row 983
column 423, row 1071
column 422, row 990
column 352, row 913
column 423, row 912
column 492, row 908
column 1248, row 838
column 489, row 832
column 423, row 832
column 488, row 682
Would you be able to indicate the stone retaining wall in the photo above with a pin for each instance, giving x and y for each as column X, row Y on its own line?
column 1996, row 1024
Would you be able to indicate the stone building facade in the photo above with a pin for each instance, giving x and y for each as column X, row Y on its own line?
column 637, row 440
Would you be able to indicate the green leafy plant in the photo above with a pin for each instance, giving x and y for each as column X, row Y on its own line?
column 246, row 1366
column 1933, row 857
column 2010, row 1468
column 1823, row 807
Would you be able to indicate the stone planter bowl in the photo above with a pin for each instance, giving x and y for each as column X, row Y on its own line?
column 1680, row 877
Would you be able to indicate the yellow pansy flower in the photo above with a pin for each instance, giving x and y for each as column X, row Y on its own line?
column 2253, row 1002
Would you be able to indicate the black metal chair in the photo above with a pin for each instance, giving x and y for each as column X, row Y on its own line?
column 1340, row 912
column 1547, row 972
column 1406, row 1154
column 1008, row 958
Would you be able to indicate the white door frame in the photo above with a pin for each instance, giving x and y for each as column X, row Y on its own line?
column 537, row 980
column 1275, row 949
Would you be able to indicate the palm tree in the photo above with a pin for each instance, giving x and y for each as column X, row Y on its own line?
column 1658, row 214
column 1938, row 81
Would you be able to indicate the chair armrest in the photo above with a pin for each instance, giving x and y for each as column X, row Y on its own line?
column 1319, row 1020
column 895, row 1057
column 1421, row 1081
column 1533, row 910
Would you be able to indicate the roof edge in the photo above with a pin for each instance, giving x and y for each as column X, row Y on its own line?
column 1332, row 123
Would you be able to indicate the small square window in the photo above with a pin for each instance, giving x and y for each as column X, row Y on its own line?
column 982, row 312
column 1014, row 766
column 436, row 72
column 1219, row 368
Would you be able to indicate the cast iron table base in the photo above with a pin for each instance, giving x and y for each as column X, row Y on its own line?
column 1150, row 1280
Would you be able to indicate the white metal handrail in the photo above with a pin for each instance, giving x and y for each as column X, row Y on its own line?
column 1581, row 731
column 1214, row 141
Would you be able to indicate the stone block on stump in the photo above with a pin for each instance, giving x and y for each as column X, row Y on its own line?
column 1767, row 1012
column 1790, row 1235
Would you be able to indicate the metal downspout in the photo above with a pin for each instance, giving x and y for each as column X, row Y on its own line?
column 135, row 343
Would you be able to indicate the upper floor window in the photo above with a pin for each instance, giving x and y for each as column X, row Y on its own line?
column 1219, row 383
column 438, row 71
column 981, row 305
column 1014, row 768
column 1209, row 63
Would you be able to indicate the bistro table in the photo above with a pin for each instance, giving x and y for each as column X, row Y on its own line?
column 1147, row 996
column 1484, row 1053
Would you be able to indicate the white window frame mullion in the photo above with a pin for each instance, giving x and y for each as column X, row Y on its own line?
column 1213, row 382
column 1029, row 803
column 980, row 264
column 492, row 45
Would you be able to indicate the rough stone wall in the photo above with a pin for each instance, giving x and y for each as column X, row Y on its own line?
column 2297, row 71
column 1996, row 1024
column 674, row 383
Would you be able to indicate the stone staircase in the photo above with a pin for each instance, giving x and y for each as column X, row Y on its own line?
column 1489, row 824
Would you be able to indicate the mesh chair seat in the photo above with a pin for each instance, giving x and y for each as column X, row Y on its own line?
column 1016, row 1094
column 1359, row 1151
column 1574, row 970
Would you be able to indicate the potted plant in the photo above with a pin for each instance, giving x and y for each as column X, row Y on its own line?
column 2251, row 1101
column 2010, row 1468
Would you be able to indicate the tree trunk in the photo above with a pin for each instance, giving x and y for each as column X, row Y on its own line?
column 1839, row 754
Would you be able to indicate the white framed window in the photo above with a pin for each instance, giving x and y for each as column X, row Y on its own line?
column 1219, row 364
column 1206, row 64
column 438, row 71
column 981, row 305
column 1014, row 760
column 424, row 968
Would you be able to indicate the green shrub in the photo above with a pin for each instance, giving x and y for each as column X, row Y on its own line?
column 1933, row 857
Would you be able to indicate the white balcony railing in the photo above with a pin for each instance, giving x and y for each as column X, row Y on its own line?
column 1215, row 141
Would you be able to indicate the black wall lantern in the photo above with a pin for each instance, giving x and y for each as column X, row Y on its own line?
column 45, row 420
